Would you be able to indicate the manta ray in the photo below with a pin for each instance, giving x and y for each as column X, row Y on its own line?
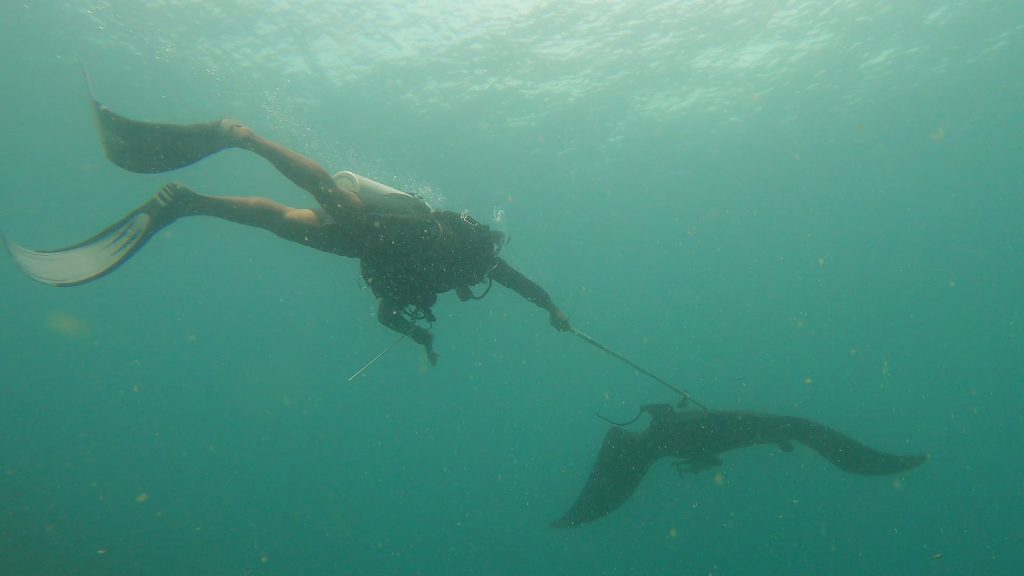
column 696, row 438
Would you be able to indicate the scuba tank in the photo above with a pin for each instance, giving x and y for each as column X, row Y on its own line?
column 380, row 198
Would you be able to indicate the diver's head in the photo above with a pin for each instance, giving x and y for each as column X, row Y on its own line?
column 498, row 239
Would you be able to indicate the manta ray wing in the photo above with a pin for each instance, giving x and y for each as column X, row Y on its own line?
column 621, row 465
column 850, row 455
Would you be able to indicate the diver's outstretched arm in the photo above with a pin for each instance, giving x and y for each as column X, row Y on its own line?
column 511, row 278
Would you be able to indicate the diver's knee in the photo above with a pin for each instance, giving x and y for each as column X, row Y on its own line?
column 303, row 216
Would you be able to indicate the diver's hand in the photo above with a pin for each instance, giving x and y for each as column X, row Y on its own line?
column 431, row 355
column 423, row 337
column 559, row 320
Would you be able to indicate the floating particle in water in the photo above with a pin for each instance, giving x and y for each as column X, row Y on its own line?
column 67, row 325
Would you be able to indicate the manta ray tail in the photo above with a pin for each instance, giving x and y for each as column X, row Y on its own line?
column 848, row 454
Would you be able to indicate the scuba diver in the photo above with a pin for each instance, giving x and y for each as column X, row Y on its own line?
column 408, row 253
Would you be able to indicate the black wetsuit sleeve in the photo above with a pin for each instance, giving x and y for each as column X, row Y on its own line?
column 511, row 278
column 389, row 314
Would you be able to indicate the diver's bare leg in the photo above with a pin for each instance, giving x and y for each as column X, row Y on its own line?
column 295, row 224
column 301, row 170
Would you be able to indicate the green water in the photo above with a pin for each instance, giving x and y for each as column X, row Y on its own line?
column 807, row 208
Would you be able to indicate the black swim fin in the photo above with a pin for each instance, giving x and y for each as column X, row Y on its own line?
column 150, row 147
column 95, row 257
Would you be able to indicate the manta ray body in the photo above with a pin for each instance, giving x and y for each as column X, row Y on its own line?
column 696, row 438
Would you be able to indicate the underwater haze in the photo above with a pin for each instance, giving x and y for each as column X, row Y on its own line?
column 811, row 208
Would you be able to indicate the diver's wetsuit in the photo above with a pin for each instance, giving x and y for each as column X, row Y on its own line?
column 407, row 256
column 408, row 260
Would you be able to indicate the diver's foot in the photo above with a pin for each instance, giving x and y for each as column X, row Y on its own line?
column 175, row 200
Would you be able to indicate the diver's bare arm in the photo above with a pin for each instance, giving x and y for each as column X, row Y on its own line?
column 301, row 170
column 511, row 278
